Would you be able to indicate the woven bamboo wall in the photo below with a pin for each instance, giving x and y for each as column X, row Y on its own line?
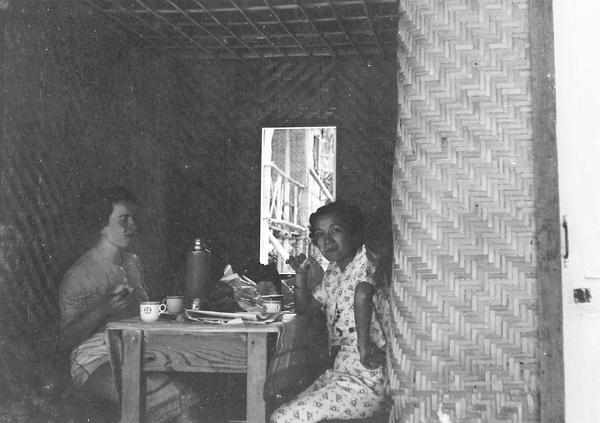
column 465, row 295
column 69, row 125
column 84, row 106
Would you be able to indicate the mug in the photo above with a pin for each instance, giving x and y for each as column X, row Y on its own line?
column 271, row 306
column 150, row 310
column 174, row 304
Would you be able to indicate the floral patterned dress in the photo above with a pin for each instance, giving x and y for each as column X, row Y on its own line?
column 348, row 390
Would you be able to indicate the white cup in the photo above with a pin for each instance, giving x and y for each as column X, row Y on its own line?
column 174, row 304
column 150, row 310
column 271, row 306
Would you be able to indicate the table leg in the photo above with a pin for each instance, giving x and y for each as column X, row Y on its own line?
column 257, row 374
column 115, row 346
column 133, row 401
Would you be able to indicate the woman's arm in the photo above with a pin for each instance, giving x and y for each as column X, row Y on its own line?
column 370, row 356
column 76, row 331
column 304, row 302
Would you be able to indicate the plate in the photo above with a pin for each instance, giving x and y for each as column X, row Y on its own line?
column 198, row 314
column 246, row 317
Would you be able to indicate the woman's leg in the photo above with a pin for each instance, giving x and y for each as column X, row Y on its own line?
column 311, row 405
column 348, row 391
column 101, row 384
column 167, row 399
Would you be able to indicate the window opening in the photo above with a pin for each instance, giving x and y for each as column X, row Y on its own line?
column 298, row 176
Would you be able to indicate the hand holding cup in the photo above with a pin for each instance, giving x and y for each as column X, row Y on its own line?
column 299, row 263
column 119, row 299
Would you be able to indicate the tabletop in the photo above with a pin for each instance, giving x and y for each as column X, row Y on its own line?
column 136, row 323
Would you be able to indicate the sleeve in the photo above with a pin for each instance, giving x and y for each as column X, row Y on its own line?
column 72, row 296
column 319, row 291
column 363, row 272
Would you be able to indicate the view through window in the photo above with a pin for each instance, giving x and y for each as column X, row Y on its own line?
column 298, row 176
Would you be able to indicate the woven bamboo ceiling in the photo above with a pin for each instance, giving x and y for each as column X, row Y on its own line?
column 260, row 29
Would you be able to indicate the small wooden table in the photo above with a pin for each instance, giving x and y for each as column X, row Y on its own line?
column 167, row 345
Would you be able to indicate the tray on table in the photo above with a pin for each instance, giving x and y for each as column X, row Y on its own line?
column 238, row 317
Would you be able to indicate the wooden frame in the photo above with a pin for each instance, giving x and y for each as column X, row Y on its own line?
column 550, row 333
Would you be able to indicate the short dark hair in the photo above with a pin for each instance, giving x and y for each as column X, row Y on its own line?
column 105, row 201
column 350, row 215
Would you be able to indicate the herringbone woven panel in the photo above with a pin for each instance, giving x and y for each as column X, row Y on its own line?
column 355, row 97
column 464, row 290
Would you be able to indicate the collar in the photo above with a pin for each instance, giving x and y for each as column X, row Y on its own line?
column 360, row 255
column 105, row 264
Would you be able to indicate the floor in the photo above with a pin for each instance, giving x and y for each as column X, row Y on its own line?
column 223, row 401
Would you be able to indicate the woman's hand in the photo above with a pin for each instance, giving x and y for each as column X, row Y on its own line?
column 119, row 300
column 299, row 263
column 372, row 357
column 118, row 303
